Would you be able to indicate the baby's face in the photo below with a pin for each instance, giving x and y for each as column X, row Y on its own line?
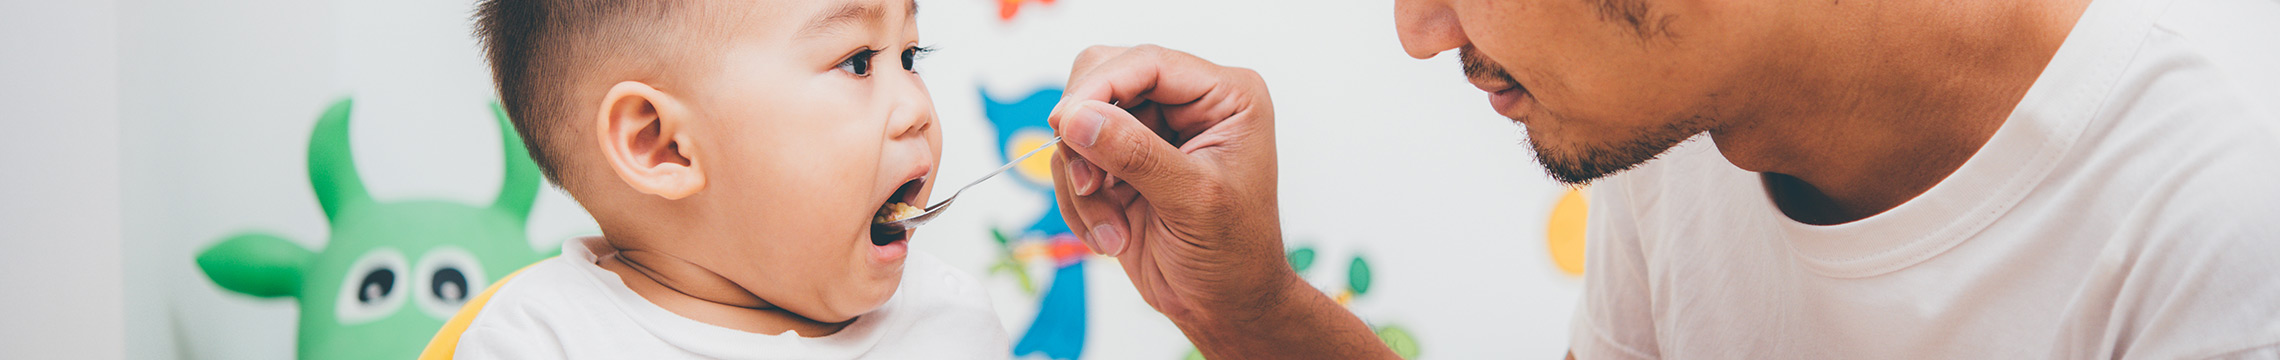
column 814, row 120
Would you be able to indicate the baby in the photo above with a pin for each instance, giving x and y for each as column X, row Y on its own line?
column 736, row 155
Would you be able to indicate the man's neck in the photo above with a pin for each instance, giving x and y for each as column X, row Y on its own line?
column 1890, row 100
column 692, row 291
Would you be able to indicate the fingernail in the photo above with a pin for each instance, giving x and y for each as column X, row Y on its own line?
column 1110, row 242
column 1081, row 172
column 1085, row 129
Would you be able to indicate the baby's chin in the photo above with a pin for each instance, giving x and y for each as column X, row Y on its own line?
column 862, row 296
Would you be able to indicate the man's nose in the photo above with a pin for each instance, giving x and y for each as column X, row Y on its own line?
column 1427, row 27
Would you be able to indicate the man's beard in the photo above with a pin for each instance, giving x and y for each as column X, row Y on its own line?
column 1588, row 162
column 1584, row 163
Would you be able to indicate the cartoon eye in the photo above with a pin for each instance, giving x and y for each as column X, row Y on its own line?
column 448, row 276
column 373, row 288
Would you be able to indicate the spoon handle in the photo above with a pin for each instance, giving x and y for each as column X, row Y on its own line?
column 1000, row 170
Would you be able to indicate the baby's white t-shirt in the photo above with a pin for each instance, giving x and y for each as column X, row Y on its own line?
column 568, row 307
column 2129, row 208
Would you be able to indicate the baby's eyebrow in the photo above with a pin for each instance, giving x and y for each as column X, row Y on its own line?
column 850, row 13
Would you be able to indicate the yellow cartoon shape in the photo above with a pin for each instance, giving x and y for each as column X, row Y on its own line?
column 1563, row 234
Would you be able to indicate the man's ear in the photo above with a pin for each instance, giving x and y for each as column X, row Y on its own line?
column 642, row 136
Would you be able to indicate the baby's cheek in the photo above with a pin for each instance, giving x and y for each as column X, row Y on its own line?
column 830, row 194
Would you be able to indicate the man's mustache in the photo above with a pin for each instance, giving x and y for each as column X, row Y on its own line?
column 1478, row 67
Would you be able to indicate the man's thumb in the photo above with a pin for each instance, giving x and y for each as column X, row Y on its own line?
column 1110, row 138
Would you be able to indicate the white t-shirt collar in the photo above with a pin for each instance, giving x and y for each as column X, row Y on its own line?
column 719, row 342
column 2040, row 130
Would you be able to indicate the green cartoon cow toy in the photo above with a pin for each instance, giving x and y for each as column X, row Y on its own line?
column 392, row 272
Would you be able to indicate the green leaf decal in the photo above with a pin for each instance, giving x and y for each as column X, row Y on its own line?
column 1358, row 276
column 1399, row 340
column 1301, row 259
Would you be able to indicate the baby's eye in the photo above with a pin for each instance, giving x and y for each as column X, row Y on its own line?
column 910, row 57
column 858, row 63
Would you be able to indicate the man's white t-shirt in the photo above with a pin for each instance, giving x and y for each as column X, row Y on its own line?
column 568, row 307
column 2129, row 208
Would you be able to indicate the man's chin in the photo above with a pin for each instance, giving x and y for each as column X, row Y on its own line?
column 1579, row 165
column 1572, row 172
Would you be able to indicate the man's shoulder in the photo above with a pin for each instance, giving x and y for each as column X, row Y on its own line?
column 2190, row 137
column 2182, row 176
column 2238, row 36
column 2204, row 74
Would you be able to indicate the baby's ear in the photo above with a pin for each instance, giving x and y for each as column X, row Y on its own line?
column 643, row 137
column 261, row 265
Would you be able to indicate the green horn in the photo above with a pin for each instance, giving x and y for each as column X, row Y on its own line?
column 518, row 185
column 332, row 168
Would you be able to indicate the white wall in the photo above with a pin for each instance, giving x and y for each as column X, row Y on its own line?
column 59, row 181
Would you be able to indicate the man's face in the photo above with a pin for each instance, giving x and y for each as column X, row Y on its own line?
column 1600, row 85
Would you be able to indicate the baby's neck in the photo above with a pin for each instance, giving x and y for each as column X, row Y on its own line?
column 693, row 292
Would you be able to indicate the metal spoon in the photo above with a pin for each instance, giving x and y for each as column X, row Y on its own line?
column 936, row 209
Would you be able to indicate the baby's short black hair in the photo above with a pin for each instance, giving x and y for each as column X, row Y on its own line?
column 542, row 50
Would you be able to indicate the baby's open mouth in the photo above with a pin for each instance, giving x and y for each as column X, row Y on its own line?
column 897, row 207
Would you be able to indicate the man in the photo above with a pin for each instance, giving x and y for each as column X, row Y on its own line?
column 1904, row 179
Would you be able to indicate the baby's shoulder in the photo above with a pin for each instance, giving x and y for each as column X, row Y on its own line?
column 518, row 314
column 548, row 293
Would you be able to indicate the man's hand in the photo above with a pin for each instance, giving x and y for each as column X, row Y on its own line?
column 1176, row 180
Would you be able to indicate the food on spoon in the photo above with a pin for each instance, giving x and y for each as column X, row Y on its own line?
column 896, row 211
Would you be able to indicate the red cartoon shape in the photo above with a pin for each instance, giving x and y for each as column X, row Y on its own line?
column 1008, row 8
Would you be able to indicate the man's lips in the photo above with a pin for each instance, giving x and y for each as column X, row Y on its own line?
column 1492, row 84
column 1504, row 96
column 1504, row 93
